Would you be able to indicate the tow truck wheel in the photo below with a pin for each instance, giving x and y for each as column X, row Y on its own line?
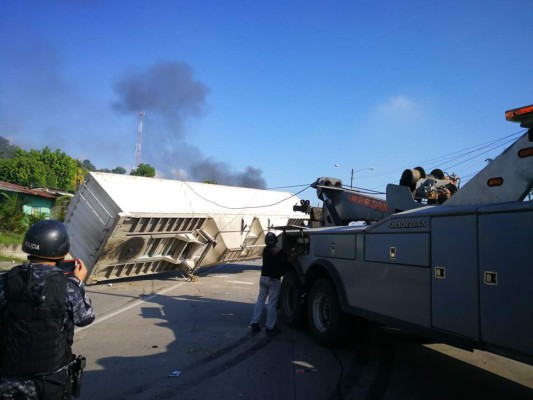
column 291, row 307
column 324, row 313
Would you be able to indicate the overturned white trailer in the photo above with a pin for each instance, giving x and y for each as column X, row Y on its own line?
column 124, row 226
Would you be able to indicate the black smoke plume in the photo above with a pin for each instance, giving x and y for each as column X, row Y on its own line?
column 169, row 94
column 208, row 169
column 167, row 90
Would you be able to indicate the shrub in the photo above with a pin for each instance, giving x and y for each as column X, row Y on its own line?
column 11, row 214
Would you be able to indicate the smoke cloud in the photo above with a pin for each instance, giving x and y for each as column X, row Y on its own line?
column 169, row 94
column 209, row 169
column 166, row 89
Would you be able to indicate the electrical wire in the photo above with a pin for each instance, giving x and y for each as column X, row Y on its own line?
column 245, row 207
column 471, row 153
column 443, row 160
column 469, row 150
column 480, row 154
column 288, row 187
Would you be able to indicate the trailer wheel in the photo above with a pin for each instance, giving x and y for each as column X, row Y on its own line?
column 291, row 305
column 324, row 313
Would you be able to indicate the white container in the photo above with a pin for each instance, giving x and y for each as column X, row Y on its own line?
column 124, row 226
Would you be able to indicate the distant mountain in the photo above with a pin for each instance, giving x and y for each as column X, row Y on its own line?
column 6, row 149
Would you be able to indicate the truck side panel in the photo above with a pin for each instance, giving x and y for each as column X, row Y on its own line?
column 386, row 287
column 398, row 248
column 396, row 270
column 455, row 294
column 506, row 276
column 395, row 291
column 336, row 247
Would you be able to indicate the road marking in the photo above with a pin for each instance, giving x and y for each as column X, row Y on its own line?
column 135, row 304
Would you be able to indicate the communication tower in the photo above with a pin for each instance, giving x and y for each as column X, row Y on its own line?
column 139, row 139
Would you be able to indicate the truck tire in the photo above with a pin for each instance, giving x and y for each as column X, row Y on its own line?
column 291, row 307
column 324, row 313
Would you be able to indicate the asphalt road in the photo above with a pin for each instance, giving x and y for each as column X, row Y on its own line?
column 167, row 338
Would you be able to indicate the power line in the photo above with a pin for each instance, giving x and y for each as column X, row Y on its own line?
column 289, row 187
column 245, row 207
column 469, row 150
column 471, row 153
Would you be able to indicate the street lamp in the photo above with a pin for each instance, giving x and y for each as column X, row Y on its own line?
column 354, row 171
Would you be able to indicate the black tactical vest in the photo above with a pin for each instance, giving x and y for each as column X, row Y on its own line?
column 35, row 333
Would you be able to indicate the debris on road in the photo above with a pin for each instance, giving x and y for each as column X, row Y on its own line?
column 174, row 374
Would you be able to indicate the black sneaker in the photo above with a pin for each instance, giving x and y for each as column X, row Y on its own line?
column 255, row 328
column 273, row 330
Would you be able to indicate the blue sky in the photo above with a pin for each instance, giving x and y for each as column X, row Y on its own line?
column 276, row 92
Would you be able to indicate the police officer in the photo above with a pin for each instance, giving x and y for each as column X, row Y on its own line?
column 39, row 306
column 274, row 267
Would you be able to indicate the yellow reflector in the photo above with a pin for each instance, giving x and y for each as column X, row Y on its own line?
column 512, row 115
column 495, row 182
column 525, row 152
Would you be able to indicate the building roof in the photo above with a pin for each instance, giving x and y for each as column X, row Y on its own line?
column 11, row 187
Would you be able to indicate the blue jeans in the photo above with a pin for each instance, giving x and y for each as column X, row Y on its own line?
column 268, row 288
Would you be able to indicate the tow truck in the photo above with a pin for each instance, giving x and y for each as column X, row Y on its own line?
column 452, row 266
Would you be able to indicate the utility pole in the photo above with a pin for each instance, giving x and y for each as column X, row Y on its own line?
column 362, row 169
column 354, row 171
column 139, row 139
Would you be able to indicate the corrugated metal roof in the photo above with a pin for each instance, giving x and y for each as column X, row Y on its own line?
column 11, row 187
column 134, row 194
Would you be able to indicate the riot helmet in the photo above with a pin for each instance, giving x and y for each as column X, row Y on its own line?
column 271, row 239
column 47, row 239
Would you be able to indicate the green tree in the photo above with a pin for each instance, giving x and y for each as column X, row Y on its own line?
column 26, row 169
column 119, row 170
column 63, row 166
column 11, row 214
column 143, row 170
column 29, row 220
column 88, row 165
column 45, row 168
column 81, row 174
column 60, row 208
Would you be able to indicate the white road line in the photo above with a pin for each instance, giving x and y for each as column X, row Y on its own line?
column 135, row 304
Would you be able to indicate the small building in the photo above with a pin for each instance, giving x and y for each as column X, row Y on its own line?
column 35, row 201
